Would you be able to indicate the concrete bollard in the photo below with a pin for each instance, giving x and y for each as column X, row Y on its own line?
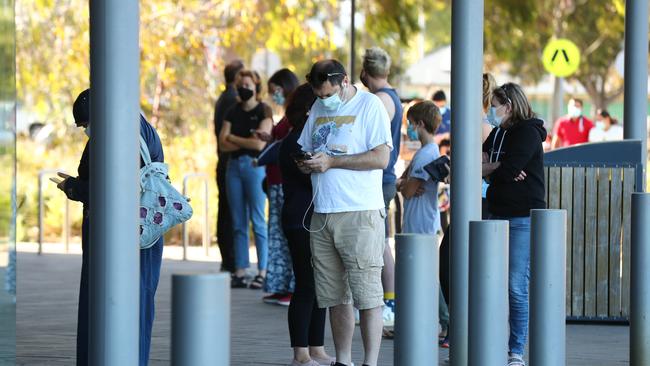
column 416, row 299
column 548, row 288
column 200, row 320
column 640, row 281
column 488, row 292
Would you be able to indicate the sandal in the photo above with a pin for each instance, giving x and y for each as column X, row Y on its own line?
column 237, row 282
column 257, row 283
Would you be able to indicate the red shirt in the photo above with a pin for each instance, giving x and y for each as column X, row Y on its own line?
column 280, row 131
column 572, row 131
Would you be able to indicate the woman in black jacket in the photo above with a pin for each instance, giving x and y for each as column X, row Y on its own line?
column 513, row 164
column 306, row 319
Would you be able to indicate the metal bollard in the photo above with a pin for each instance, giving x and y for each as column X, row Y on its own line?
column 548, row 288
column 488, row 292
column 416, row 301
column 200, row 320
column 205, row 236
column 66, row 235
column 640, row 281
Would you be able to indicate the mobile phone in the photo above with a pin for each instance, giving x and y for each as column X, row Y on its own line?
column 56, row 180
column 302, row 156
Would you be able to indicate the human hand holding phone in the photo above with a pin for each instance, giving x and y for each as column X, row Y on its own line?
column 302, row 156
column 60, row 180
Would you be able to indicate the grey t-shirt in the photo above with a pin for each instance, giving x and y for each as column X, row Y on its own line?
column 421, row 215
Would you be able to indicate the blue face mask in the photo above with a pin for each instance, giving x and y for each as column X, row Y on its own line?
column 331, row 103
column 443, row 110
column 492, row 117
column 411, row 132
column 278, row 98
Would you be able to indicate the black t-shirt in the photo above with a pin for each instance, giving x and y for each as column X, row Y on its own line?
column 242, row 122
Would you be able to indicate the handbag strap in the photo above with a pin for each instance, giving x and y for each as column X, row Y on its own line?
column 144, row 151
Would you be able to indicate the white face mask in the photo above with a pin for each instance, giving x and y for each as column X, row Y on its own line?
column 333, row 102
column 574, row 111
column 492, row 117
column 600, row 125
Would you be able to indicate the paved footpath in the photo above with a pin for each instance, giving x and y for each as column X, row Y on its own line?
column 46, row 321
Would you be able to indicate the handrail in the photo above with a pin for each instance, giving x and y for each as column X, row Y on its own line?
column 206, row 233
column 41, row 212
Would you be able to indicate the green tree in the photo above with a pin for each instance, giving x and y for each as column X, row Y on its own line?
column 184, row 45
column 399, row 26
column 516, row 32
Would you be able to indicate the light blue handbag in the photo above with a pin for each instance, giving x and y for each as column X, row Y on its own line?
column 161, row 205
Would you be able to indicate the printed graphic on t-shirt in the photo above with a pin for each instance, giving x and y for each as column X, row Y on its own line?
column 330, row 134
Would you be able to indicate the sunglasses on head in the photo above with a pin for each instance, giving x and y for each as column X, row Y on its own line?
column 505, row 91
column 321, row 77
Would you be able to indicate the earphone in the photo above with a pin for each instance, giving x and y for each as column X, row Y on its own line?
column 313, row 197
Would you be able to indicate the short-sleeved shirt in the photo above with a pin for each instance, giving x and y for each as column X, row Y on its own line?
column 615, row 133
column 445, row 124
column 572, row 131
column 360, row 125
column 421, row 215
column 242, row 122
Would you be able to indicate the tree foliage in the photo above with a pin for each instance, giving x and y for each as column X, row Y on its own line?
column 516, row 32
column 184, row 46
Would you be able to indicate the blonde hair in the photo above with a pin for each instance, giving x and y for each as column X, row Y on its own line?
column 376, row 62
column 513, row 94
column 489, row 84
column 427, row 112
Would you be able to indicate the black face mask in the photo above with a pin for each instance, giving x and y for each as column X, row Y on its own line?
column 244, row 93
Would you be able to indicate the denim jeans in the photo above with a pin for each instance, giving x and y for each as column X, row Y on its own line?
column 518, row 280
column 247, row 203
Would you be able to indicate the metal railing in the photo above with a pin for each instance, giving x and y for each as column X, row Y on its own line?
column 41, row 212
column 205, row 237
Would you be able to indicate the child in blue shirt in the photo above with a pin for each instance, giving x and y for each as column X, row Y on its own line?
column 420, row 191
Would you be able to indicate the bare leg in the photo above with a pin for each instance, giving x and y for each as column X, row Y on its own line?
column 388, row 272
column 342, row 321
column 318, row 351
column 301, row 354
column 371, row 327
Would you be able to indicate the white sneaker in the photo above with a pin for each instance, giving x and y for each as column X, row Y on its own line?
column 389, row 316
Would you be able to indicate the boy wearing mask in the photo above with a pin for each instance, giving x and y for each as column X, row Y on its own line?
column 420, row 191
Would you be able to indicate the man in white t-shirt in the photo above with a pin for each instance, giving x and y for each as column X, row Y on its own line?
column 348, row 133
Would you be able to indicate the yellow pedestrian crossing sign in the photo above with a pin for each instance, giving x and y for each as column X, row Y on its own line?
column 561, row 57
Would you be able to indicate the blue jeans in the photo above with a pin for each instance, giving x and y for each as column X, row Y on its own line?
column 247, row 203
column 518, row 280
column 150, row 262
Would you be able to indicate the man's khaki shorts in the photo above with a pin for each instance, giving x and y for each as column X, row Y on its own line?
column 347, row 255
